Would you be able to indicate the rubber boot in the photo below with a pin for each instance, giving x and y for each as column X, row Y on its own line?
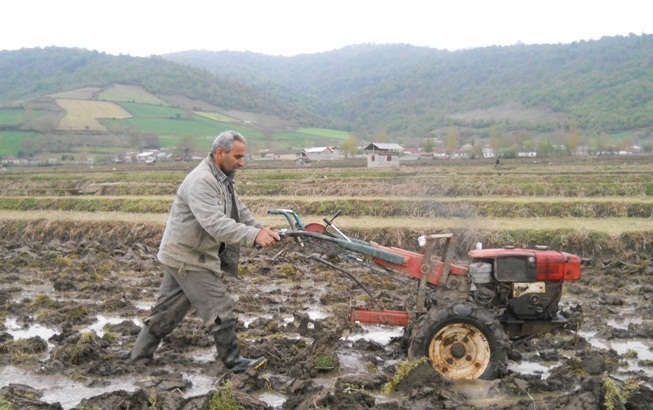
column 143, row 351
column 229, row 352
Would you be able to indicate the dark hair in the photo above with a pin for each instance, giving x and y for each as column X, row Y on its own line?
column 226, row 141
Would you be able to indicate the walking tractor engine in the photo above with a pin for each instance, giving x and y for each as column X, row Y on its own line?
column 464, row 316
column 526, row 284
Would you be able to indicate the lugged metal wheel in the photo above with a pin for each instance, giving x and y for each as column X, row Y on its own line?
column 462, row 341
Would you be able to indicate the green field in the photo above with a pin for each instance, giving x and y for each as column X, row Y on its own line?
column 11, row 141
column 10, row 116
column 151, row 116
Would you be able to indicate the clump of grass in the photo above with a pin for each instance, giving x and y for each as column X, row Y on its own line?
column 403, row 370
column 224, row 399
column 5, row 404
column 23, row 350
column 42, row 301
column 289, row 271
column 110, row 337
column 614, row 398
column 325, row 362
column 87, row 347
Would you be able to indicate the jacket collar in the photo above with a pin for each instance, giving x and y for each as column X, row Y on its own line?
column 217, row 172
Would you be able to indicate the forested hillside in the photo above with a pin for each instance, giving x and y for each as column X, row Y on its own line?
column 600, row 90
column 604, row 86
column 31, row 73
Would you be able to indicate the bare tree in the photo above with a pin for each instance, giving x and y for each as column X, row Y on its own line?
column 185, row 148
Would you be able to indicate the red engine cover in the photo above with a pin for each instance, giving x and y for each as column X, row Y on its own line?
column 550, row 265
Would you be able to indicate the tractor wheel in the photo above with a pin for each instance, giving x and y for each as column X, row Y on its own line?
column 462, row 342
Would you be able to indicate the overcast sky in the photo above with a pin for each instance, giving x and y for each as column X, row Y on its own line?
column 291, row 27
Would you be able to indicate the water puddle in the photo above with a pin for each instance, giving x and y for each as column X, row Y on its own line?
column 32, row 291
column 377, row 333
column 317, row 314
column 631, row 351
column 60, row 389
column 350, row 362
column 532, row 368
column 272, row 399
column 143, row 305
column 101, row 321
column 25, row 332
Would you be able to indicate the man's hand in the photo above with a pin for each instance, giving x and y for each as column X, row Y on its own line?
column 266, row 237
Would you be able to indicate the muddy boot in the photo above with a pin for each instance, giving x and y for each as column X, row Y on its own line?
column 229, row 352
column 143, row 351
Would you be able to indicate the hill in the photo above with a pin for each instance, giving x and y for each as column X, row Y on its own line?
column 600, row 92
column 604, row 86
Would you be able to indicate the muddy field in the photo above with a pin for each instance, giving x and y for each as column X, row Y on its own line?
column 73, row 295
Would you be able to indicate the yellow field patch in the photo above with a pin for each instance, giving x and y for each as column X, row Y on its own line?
column 88, row 93
column 82, row 115
column 129, row 93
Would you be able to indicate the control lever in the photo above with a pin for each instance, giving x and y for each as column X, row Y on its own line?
column 329, row 223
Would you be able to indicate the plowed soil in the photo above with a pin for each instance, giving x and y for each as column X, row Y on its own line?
column 72, row 299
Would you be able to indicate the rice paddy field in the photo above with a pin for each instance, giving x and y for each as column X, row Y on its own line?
column 600, row 203
column 78, row 274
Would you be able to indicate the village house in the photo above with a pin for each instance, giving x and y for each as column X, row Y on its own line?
column 383, row 155
column 320, row 154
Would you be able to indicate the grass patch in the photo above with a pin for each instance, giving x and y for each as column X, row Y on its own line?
column 224, row 399
column 11, row 142
column 403, row 370
column 10, row 116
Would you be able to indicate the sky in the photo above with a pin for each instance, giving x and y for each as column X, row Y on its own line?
column 143, row 28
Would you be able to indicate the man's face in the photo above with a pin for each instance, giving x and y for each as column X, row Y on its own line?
column 230, row 162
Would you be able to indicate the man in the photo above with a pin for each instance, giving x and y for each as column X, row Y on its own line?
column 206, row 227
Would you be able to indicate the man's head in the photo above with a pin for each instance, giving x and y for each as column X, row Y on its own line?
column 228, row 151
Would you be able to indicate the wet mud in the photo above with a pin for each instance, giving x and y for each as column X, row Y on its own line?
column 71, row 310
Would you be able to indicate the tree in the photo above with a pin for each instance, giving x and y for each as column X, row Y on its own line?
column 452, row 139
column 545, row 149
column 428, row 145
column 573, row 140
column 185, row 148
column 349, row 146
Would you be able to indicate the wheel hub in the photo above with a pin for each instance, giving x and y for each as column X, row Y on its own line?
column 460, row 351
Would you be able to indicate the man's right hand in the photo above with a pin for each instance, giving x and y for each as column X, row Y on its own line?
column 267, row 237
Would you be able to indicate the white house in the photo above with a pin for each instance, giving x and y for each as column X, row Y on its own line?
column 320, row 153
column 148, row 157
column 383, row 155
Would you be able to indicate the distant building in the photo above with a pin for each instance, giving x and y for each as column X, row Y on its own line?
column 488, row 152
column 320, row 154
column 383, row 155
column 147, row 156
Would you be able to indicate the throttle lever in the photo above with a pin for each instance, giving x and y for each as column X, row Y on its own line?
column 329, row 223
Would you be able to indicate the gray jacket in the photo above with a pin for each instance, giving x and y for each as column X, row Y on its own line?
column 200, row 221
